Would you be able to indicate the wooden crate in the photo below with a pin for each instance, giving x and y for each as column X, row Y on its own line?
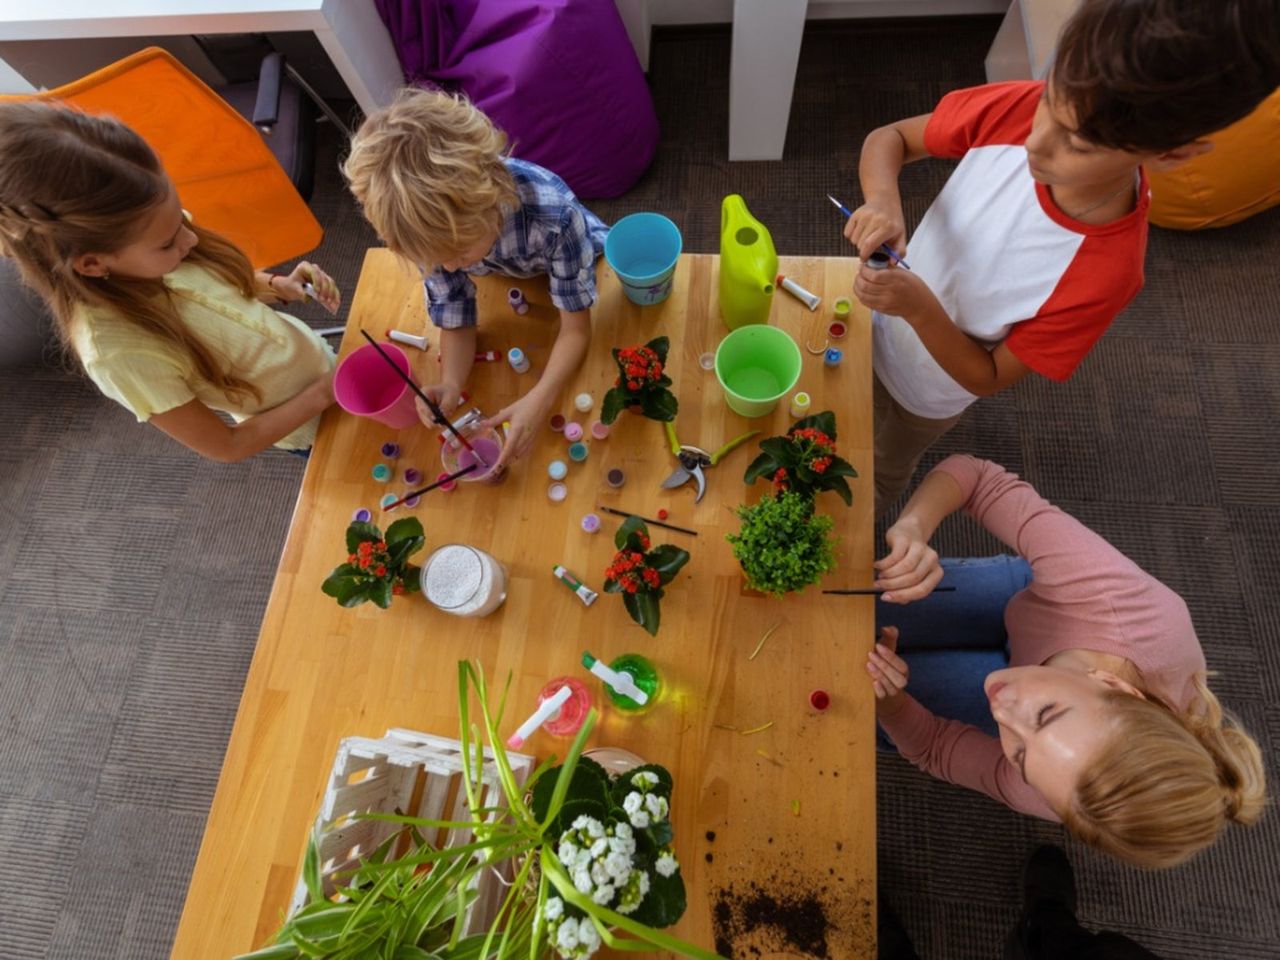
column 420, row 775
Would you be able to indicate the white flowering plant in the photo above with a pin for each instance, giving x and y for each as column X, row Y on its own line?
column 589, row 858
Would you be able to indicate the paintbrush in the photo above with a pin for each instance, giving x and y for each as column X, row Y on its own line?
column 431, row 404
column 884, row 246
column 875, row 592
column 427, row 489
column 656, row 523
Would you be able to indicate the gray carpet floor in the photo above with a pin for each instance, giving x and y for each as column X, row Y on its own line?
column 138, row 573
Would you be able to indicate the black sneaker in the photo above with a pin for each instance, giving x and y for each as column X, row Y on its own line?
column 1048, row 877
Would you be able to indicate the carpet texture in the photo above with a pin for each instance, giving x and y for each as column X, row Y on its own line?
column 138, row 573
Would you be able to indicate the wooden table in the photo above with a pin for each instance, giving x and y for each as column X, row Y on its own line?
column 321, row 672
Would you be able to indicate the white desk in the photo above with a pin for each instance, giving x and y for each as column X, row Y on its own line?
column 349, row 30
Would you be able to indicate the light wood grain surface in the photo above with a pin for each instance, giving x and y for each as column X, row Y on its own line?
column 321, row 672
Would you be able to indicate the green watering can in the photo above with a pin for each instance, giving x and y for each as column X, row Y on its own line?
column 748, row 265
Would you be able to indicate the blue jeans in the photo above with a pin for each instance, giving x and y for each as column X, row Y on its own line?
column 951, row 641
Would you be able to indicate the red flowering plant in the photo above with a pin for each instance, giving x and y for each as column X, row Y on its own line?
column 804, row 460
column 639, row 571
column 377, row 566
column 642, row 382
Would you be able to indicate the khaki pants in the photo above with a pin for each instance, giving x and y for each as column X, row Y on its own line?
column 901, row 438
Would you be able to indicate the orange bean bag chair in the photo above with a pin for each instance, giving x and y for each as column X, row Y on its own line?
column 1239, row 177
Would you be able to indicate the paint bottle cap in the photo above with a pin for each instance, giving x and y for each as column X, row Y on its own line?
column 577, row 452
column 361, row 515
column 819, row 700
column 591, row 523
column 573, row 431
column 833, row 356
column 412, row 476
column 391, row 450
column 515, row 295
column 557, row 492
column 615, row 477
column 413, row 501
column 557, row 422
column 707, row 361
column 599, row 429
column 557, row 469
column 583, row 402
column 446, row 486
column 381, row 472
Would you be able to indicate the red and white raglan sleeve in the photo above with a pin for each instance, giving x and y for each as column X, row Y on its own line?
column 994, row 113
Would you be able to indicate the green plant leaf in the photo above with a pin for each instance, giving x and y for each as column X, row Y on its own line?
column 622, row 784
column 401, row 550
column 660, row 405
column 278, row 951
column 311, row 869
column 630, row 527
column 644, row 610
column 348, row 591
column 660, row 346
column 824, row 422
column 411, row 578
column 403, row 529
column 407, row 951
column 667, row 559
column 762, row 466
column 665, row 902
column 586, row 785
column 841, row 488
column 615, row 401
column 380, row 593
column 359, row 532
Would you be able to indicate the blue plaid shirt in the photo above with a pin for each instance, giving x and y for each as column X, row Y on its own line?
column 550, row 232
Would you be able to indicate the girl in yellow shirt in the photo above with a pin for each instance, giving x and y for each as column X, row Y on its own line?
column 167, row 318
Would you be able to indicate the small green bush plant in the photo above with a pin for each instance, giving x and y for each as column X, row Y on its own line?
column 783, row 545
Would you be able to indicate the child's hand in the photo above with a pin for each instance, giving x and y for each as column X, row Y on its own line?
column 894, row 291
column 889, row 673
column 911, row 569
column 526, row 416
column 875, row 223
column 446, row 396
column 327, row 294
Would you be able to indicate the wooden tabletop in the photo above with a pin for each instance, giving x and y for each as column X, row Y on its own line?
column 774, row 829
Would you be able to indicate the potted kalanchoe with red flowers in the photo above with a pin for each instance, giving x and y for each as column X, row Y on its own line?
column 642, row 383
column 639, row 571
column 377, row 566
column 804, row 461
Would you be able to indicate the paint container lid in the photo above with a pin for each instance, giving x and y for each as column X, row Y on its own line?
column 842, row 306
column 819, row 700
column 583, row 402
column 577, row 452
column 413, row 501
column 361, row 515
column 391, row 450
column 446, row 486
column 557, row 422
column 557, row 492
column 836, row 329
column 557, row 469
column 591, row 523
column 387, row 500
column 515, row 295
column 707, row 361
column 412, row 476
column 381, row 472
column 516, row 356
column 615, row 477
column 833, row 356
column 877, row 261
column 573, row 431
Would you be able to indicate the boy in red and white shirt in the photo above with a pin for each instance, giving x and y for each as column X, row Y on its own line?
column 1036, row 242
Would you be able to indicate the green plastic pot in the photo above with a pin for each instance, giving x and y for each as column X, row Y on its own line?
column 757, row 365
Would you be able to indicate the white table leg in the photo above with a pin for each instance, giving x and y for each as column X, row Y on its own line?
column 762, row 75
column 360, row 47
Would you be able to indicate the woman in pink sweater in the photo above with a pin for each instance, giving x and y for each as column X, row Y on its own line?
column 1102, row 715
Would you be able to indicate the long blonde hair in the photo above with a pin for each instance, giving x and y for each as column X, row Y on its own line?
column 1167, row 783
column 428, row 172
column 73, row 183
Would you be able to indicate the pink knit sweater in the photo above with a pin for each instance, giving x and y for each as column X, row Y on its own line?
column 1085, row 595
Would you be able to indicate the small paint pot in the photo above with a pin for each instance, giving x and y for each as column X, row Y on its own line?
column 583, row 402
column 878, row 261
column 836, row 329
column 381, row 472
column 591, row 523
column 413, row 501
column 361, row 515
column 615, row 478
column 556, row 422
column 391, row 450
column 833, row 356
column 446, row 487
column 516, row 301
column 387, row 500
column 412, row 476
column 819, row 700
column 599, row 429
column 557, row 469
column 557, row 492
column 842, row 307
column 707, row 361
column 519, row 362
column 577, row 452
column 573, row 431
column 800, row 404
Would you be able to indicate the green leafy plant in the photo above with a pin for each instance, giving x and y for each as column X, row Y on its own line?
column 641, row 383
column 783, row 545
column 639, row 572
column 377, row 567
column 414, row 907
column 804, row 460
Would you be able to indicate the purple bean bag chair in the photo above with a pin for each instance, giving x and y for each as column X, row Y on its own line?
column 559, row 76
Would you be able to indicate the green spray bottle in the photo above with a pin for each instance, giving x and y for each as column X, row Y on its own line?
column 748, row 265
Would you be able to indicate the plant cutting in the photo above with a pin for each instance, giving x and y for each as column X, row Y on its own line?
column 588, row 855
column 639, row 571
column 642, row 383
column 377, row 566
column 804, row 460
column 783, row 545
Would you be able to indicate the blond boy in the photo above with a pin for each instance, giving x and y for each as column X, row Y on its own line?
column 432, row 175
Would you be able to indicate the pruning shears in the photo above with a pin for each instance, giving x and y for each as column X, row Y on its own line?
column 694, row 460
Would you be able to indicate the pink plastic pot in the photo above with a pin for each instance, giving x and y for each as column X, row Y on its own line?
column 365, row 385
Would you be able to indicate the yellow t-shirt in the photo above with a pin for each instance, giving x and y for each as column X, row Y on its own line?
column 272, row 350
